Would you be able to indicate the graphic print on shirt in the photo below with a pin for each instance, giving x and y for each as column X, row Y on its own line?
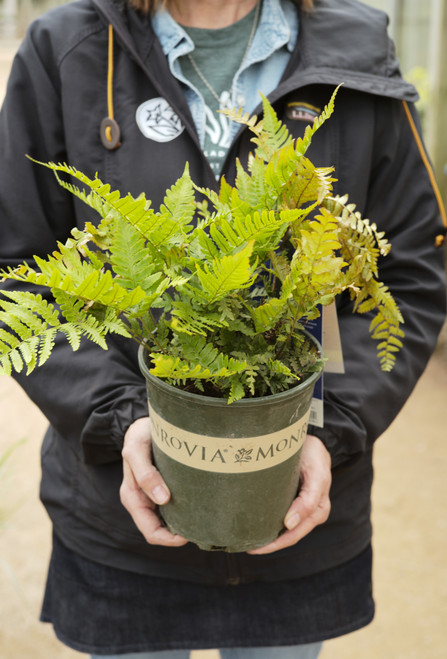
column 157, row 120
column 217, row 139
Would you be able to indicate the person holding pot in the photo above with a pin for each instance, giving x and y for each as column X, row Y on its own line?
column 132, row 90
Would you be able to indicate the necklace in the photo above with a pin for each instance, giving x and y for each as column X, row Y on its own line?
column 225, row 97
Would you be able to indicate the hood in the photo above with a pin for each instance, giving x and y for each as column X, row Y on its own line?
column 341, row 41
column 345, row 41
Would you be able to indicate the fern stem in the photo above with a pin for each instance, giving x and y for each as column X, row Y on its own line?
column 148, row 332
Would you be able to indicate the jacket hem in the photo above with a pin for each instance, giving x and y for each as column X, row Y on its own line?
column 293, row 566
column 219, row 643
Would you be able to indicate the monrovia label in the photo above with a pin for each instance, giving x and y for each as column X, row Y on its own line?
column 227, row 455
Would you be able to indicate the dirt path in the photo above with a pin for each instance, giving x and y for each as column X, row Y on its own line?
column 409, row 513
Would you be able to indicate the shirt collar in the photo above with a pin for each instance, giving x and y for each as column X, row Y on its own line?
column 278, row 27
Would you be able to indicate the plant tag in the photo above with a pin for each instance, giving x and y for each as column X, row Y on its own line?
column 331, row 341
column 316, row 417
column 227, row 455
column 325, row 329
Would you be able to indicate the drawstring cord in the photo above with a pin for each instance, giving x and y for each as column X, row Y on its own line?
column 439, row 239
column 109, row 130
column 110, row 82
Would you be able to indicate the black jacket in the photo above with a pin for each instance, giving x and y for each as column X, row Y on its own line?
column 56, row 99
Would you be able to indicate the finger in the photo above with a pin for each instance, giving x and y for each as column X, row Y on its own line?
column 303, row 528
column 150, row 481
column 137, row 454
column 144, row 515
column 312, row 500
column 316, row 479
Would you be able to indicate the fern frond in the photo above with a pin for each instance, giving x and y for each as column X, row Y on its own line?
column 315, row 266
column 251, row 185
column 385, row 325
column 213, row 196
column 132, row 261
column 271, row 135
column 277, row 367
column 237, row 390
column 307, row 185
column 280, row 265
column 240, row 117
column 365, row 232
column 267, row 315
column 229, row 273
column 136, row 212
column 265, row 229
column 91, row 199
column 65, row 271
column 207, row 247
column 35, row 322
column 191, row 321
column 100, row 235
column 177, row 211
column 176, row 369
column 302, row 144
column 389, row 336
column 95, row 323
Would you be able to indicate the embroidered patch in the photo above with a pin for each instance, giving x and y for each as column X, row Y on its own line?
column 302, row 112
column 158, row 121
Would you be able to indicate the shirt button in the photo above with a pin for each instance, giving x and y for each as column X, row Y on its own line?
column 240, row 100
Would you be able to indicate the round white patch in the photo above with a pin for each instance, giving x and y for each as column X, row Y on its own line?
column 158, row 121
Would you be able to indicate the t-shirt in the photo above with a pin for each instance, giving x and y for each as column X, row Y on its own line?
column 218, row 54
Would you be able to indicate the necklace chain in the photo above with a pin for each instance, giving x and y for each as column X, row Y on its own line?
column 224, row 98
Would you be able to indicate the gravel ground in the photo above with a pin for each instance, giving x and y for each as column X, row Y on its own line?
column 409, row 515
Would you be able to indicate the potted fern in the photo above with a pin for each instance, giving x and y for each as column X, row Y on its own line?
column 217, row 289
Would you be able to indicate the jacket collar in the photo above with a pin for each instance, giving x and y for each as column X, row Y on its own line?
column 342, row 41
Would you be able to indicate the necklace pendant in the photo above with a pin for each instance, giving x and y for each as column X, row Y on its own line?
column 224, row 100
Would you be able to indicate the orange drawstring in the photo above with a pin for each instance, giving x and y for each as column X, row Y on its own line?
column 109, row 131
column 110, row 83
column 439, row 239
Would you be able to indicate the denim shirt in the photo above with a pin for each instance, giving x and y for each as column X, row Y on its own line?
column 261, row 69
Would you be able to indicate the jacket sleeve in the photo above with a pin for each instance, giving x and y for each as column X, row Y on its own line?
column 362, row 403
column 90, row 395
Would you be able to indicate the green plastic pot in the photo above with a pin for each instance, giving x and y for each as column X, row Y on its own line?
column 233, row 470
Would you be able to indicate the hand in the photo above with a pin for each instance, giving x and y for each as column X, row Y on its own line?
column 143, row 488
column 312, row 506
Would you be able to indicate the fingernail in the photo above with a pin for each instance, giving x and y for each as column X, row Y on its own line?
column 160, row 495
column 292, row 521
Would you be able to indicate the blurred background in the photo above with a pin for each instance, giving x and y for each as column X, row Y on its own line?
column 410, row 490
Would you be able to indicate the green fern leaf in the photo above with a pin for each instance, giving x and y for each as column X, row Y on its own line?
column 34, row 322
column 279, row 368
column 302, row 144
column 176, row 369
column 136, row 212
column 191, row 321
column 134, row 264
column 237, row 390
column 177, row 211
column 229, row 273
column 266, row 316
